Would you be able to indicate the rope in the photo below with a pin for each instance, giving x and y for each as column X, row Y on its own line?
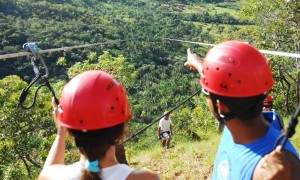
column 290, row 129
column 191, row 42
column 168, row 112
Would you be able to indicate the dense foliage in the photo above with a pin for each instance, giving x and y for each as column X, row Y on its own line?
column 134, row 51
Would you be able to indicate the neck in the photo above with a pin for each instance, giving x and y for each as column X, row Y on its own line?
column 108, row 160
column 247, row 132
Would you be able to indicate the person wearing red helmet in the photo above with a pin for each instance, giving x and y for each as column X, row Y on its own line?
column 268, row 103
column 94, row 109
column 235, row 77
column 270, row 113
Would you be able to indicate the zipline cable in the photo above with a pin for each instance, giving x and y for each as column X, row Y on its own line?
column 278, row 53
column 191, row 42
column 14, row 55
column 168, row 112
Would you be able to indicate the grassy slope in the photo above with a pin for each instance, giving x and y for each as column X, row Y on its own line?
column 185, row 159
column 211, row 8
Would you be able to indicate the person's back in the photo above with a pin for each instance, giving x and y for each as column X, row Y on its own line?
column 94, row 110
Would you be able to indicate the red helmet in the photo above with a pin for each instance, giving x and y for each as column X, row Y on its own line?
column 93, row 100
column 236, row 69
column 268, row 99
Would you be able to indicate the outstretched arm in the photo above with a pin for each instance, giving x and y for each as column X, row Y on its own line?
column 193, row 61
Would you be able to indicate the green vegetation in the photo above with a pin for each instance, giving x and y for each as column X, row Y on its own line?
column 150, row 68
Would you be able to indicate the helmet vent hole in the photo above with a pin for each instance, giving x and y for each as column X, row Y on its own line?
column 81, row 121
column 223, row 86
column 229, row 74
column 112, row 108
column 110, row 85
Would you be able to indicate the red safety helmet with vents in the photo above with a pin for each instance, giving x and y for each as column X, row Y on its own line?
column 236, row 69
column 268, row 99
column 93, row 100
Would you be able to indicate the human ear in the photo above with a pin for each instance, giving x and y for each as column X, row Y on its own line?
column 222, row 108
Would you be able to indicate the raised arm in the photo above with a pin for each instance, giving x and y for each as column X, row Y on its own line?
column 193, row 61
column 55, row 159
column 57, row 152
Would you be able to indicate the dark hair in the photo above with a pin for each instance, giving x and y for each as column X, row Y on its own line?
column 94, row 144
column 246, row 108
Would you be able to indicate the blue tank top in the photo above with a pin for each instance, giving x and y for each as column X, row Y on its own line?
column 238, row 161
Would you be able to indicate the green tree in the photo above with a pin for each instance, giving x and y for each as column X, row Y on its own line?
column 116, row 66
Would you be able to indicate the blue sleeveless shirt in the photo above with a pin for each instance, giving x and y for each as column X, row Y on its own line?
column 238, row 161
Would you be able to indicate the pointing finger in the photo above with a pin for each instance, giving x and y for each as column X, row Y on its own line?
column 189, row 51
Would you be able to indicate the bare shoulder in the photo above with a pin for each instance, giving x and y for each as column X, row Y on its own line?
column 143, row 174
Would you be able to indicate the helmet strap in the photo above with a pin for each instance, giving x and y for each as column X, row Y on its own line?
column 227, row 116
